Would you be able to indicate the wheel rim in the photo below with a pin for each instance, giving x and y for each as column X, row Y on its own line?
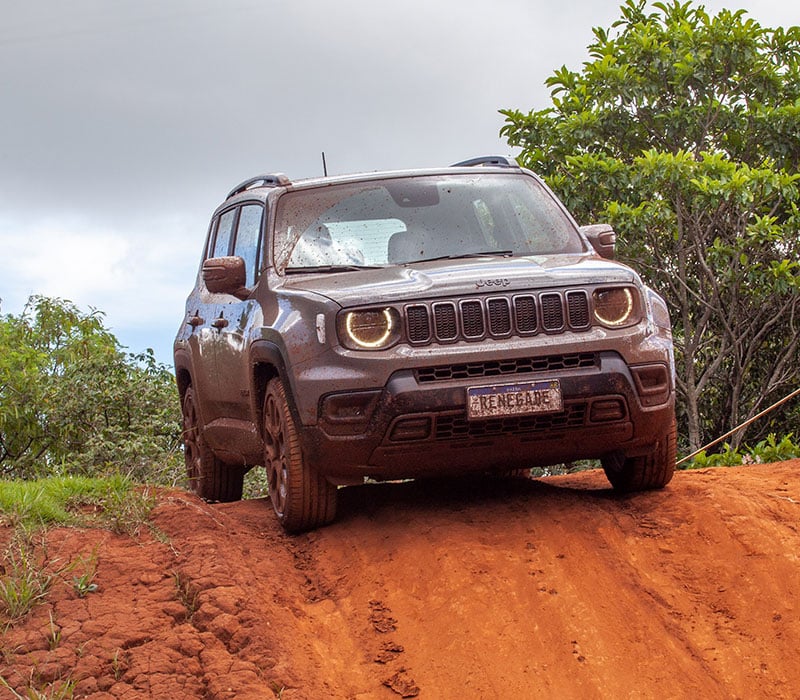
column 191, row 438
column 275, row 448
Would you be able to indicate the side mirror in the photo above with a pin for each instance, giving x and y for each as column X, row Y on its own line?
column 603, row 239
column 226, row 275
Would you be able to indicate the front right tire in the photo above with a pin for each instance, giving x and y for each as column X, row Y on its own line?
column 302, row 498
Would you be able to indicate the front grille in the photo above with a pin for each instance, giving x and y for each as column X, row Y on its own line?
column 578, row 310
column 525, row 315
column 456, row 426
column 445, row 321
column 552, row 312
column 496, row 368
column 497, row 317
column 419, row 324
column 472, row 318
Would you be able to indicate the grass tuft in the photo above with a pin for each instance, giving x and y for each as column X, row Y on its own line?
column 73, row 500
column 25, row 581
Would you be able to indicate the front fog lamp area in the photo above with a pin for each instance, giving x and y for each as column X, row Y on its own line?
column 374, row 329
column 614, row 307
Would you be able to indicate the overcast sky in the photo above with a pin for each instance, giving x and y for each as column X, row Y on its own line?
column 123, row 123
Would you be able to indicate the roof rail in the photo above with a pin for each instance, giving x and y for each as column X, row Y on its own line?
column 502, row 161
column 268, row 180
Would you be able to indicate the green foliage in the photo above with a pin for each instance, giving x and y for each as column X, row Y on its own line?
column 255, row 483
column 768, row 450
column 71, row 402
column 683, row 131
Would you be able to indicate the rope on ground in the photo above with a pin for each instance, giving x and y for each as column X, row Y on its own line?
column 739, row 427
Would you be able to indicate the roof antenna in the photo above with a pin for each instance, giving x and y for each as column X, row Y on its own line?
column 324, row 165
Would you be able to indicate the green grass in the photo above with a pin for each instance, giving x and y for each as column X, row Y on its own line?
column 59, row 690
column 25, row 581
column 72, row 500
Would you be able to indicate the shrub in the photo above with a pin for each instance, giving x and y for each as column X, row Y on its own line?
column 72, row 402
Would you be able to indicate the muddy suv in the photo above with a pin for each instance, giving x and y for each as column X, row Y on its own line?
column 405, row 324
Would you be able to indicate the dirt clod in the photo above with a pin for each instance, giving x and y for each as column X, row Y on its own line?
column 401, row 684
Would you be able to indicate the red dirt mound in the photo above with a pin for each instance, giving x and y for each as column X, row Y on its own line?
column 491, row 588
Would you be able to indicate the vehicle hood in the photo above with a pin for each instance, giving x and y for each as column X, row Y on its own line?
column 446, row 278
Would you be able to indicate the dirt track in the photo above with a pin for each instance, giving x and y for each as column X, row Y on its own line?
column 468, row 589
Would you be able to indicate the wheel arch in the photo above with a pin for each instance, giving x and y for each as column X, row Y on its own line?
column 183, row 373
column 268, row 362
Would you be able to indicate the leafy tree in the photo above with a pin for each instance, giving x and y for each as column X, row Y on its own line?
column 683, row 131
column 71, row 401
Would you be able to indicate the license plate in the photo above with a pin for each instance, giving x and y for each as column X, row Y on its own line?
column 514, row 399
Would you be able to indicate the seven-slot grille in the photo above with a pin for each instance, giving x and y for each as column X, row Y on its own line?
column 497, row 317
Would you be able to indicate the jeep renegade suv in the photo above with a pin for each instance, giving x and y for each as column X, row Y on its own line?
column 414, row 323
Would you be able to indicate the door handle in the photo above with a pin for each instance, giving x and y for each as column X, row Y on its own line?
column 196, row 321
column 219, row 322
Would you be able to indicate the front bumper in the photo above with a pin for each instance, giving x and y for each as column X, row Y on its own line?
column 417, row 424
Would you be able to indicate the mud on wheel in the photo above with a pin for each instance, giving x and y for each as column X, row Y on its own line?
column 302, row 498
column 653, row 470
column 209, row 477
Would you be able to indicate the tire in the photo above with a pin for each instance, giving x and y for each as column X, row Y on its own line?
column 302, row 498
column 209, row 477
column 651, row 471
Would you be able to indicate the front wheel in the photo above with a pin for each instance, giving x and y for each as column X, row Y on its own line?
column 302, row 498
column 653, row 470
column 209, row 477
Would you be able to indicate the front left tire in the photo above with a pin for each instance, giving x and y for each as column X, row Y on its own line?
column 301, row 497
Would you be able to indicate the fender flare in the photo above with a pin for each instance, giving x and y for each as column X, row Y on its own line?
column 265, row 353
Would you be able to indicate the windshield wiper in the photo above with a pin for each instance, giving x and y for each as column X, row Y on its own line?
column 331, row 268
column 459, row 256
column 497, row 253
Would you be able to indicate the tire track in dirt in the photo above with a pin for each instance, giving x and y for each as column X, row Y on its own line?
column 565, row 588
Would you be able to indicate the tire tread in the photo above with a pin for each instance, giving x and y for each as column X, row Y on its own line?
column 653, row 470
column 310, row 497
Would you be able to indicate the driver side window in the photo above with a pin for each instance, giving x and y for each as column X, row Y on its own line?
column 248, row 235
column 222, row 237
column 238, row 232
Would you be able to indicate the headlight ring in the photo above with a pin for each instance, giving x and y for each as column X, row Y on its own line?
column 615, row 307
column 370, row 329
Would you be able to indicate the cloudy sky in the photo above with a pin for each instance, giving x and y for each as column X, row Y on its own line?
column 123, row 123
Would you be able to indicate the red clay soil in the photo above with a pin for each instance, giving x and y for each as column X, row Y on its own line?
column 494, row 588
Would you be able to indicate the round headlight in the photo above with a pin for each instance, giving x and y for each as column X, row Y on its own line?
column 614, row 307
column 370, row 330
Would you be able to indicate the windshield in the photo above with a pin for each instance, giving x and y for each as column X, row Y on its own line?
column 406, row 220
